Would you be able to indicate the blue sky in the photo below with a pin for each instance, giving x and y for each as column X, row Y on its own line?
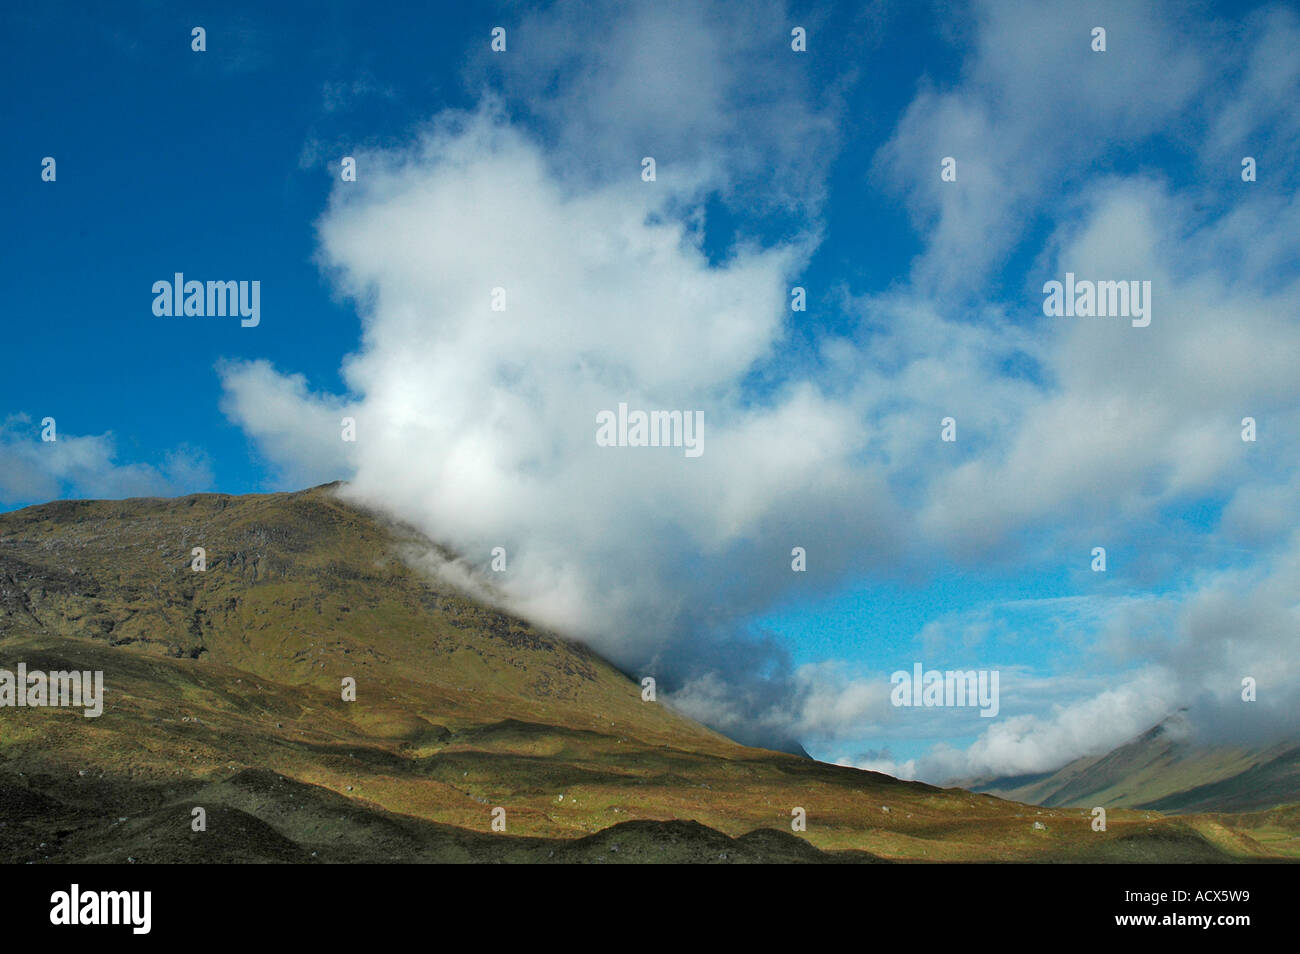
column 775, row 169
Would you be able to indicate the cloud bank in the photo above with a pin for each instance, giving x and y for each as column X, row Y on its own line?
column 478, row 425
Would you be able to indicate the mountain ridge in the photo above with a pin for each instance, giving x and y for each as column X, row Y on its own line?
column 1163, row 769
column 461, row 709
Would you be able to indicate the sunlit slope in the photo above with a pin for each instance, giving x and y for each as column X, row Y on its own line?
column 303, row 590
column 223, row 692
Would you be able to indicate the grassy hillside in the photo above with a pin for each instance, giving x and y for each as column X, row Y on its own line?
column 1164, row 769
column 223, row 691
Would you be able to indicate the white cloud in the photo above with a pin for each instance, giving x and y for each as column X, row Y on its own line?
column 1034, row 108
column 715, row 97
column 34, row 471
column 1029, row 743
column 479, row 425
column 299, row 433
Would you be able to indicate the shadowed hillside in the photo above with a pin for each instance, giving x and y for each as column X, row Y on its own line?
column 223, row 692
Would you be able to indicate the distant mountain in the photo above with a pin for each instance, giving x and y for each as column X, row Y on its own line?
column 1166, row 770
column 223, row 692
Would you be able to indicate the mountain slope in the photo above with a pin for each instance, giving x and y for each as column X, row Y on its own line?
column 1164, row 769
column 223, row 692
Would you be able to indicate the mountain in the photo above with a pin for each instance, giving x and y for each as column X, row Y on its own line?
column 1166, row 770
column 223, row 691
